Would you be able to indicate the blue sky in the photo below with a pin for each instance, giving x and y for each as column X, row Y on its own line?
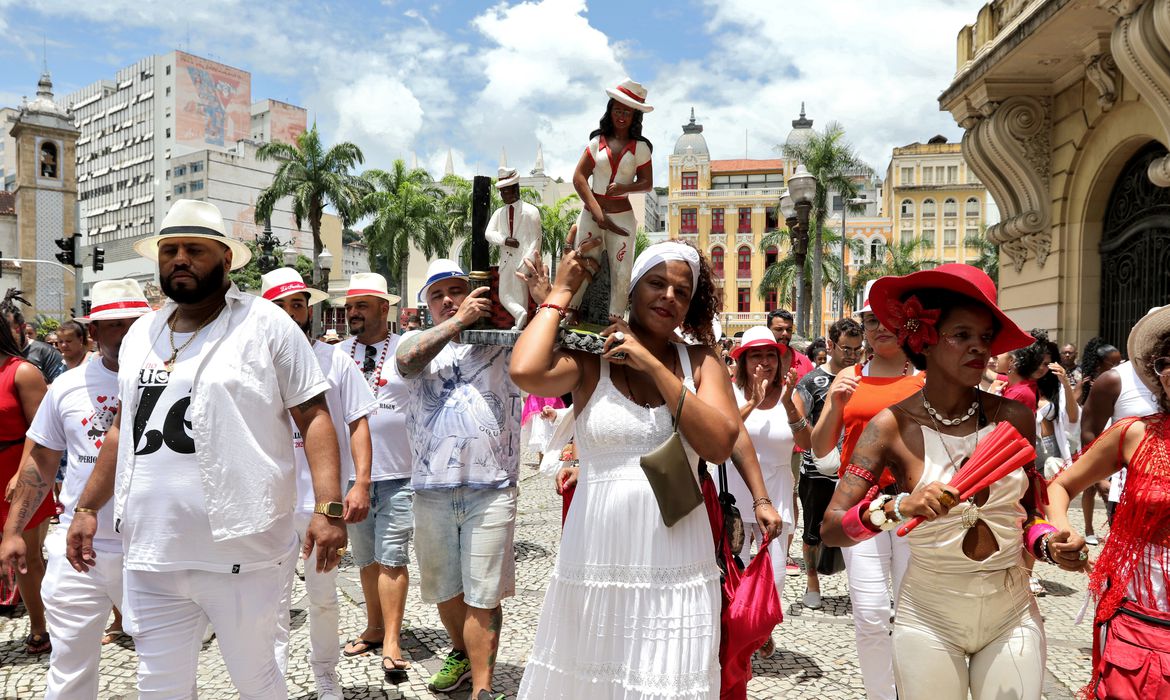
column 419, row 78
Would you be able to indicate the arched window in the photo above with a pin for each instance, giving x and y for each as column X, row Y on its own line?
column 973, row 208
column 928, row 210
column 717, row 261
column 907, row 207
column 950, row 208
column 771, row 255
column 49, row 159
column 744, row 261
column 875, row 251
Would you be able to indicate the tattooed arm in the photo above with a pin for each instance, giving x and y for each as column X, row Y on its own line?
column 869, row 456
column 31, row 486
column 417, row 351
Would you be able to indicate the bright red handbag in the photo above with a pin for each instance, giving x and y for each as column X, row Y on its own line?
column 1132, row 661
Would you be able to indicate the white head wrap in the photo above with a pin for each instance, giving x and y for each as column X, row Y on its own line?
column 660, row 253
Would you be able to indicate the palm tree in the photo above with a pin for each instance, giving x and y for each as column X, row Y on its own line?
column 901, row 258
column 315, row 177
column 781, row 275
column 834, row 163
column 405, row 207
column 555, row 222
column 988, row 259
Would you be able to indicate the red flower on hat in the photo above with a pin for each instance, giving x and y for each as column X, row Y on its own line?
column 914, row 324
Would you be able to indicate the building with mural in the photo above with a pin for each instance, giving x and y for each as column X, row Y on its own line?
column 149, row 119
column 1067, row 122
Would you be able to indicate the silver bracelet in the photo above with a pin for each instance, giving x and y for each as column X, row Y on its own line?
column 799, row 425
column 898, row 506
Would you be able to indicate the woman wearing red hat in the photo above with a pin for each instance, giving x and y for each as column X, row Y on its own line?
column 966, row 623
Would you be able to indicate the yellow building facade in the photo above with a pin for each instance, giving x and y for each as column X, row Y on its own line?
column 1067, row 122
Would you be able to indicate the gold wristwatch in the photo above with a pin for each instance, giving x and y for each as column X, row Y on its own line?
column 333, row 509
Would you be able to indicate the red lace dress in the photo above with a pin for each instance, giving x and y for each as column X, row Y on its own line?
column 12, row 430
column 1134, row 562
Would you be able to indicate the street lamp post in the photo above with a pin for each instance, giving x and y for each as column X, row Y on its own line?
column 844, row 245
column 801, row 189
column 325, row 264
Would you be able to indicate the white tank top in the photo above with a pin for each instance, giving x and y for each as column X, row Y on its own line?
column 1135, row 398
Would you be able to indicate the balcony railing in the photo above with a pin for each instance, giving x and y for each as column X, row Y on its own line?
column 771, row 192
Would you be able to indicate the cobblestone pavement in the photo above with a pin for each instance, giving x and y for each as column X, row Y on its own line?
column 815, row 655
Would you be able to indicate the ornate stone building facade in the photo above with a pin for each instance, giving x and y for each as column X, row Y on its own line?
column 1066, row 108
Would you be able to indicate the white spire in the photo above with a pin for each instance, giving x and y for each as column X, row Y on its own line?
column 503, row 157
column 538, row 167
column 449, row 168
column 413, row 160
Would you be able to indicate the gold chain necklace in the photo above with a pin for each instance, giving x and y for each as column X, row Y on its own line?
column 169, row 365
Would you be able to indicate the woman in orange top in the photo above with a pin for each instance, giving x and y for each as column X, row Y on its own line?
column 875, row 566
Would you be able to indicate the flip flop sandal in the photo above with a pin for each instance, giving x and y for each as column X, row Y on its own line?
column 397, row 671
column 364, row 646
column 37, row 644
column 112, row 635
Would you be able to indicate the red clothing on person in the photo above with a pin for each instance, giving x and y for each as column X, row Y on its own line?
column 12, row 429
column 1025, row 392
column 802, row 365
column 872, row 395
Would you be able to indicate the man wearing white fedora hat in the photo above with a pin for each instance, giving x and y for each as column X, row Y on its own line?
column 515, row 228
column 464, row 421
column 204, row 479
column 350, row 401
column 72, row 420
column 381, row 542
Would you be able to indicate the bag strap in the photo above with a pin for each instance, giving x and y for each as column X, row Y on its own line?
column 678, row 411
column 722, row 478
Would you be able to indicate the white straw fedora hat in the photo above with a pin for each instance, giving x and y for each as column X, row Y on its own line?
column 631, row 94
column 189, row 218
column 114, row 299
column 506, row 177
column 440, row 269
column 285, row 281
column 369, row 284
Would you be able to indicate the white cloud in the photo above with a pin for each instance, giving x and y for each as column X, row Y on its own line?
column 377, row 109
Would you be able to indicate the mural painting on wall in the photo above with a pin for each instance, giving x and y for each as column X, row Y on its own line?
column 288, row 122
column 213, row 102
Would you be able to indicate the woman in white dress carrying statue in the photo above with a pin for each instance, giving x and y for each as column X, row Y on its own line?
column 632, row 608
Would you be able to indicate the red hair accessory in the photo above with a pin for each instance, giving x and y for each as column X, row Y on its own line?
column 914, row 324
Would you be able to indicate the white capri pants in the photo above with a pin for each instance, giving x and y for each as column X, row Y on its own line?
column 875, row 568
column 620, row 252
column 324, row 615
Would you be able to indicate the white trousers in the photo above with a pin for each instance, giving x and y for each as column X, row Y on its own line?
column 77, row 607
column 324, row 614
column 167, row 611
column 875, row 568
column 620, row 252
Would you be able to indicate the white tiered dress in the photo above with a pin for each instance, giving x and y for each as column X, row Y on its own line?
column 632, row 608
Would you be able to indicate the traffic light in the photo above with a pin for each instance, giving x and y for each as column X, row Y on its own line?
column 99, row 259
column 68, row 255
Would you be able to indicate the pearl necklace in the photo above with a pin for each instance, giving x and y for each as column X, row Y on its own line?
column 375, row 379
column 935, row 415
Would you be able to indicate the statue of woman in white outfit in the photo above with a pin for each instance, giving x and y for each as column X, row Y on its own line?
column 615, row 163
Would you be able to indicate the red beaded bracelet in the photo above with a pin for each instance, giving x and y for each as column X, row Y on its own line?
column 559, row 309
column 862, row 473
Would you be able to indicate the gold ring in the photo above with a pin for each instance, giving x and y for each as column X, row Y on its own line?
column 341, row 551
column 1083, row 555
column 947, row 499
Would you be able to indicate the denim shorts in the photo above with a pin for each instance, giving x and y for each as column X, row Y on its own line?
column 384, row 536
column 465, row 544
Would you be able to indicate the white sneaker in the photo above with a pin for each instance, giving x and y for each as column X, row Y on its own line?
column 328, row 687
column 1092, row 540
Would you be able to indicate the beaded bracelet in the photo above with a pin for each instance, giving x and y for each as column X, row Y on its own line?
column 898, row 506
column 79, row 509
column 761, row 501
column 1047, row 555
column 863, row 474
column 559, row 309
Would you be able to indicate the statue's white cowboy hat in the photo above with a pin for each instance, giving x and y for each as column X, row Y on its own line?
column 285, row 281
column 115, row 299
column 368, row 284
column 1143, row 340
column 189, row 218
column 506, row 177
column 437, row 271
column 631, row 94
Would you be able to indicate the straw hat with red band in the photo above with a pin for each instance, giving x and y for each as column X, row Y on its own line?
column 285, row 281
column 369, row 284
column 631, row 94
column 759, row 337
column 898, row 302
column 114, row 299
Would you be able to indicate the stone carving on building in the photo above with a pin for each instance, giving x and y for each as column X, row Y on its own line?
column 1008, row 147
column 1141, row 48
column 1101, row 71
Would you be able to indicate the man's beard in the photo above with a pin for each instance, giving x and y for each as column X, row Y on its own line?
column 307, row 326
column 204, row 287
column 358, row 327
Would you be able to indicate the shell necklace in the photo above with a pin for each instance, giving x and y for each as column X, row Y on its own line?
column 375, row 378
